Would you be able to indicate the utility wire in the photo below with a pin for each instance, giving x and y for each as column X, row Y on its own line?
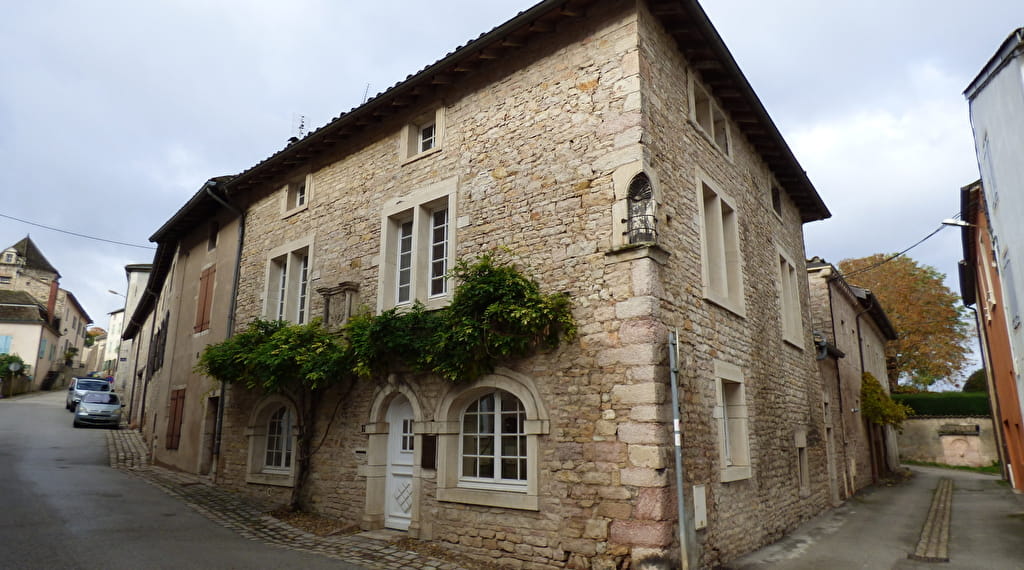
column 75, row 234
column 893, row 256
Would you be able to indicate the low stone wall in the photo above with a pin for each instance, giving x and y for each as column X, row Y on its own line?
column 967, row 441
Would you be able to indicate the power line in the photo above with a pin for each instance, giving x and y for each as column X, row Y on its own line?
column 893, row 256
column 75, row 234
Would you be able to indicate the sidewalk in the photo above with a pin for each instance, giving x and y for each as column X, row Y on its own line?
column 881, row 526
column 250, row 519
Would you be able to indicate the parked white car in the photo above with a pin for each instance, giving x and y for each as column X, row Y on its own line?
column 99, row 409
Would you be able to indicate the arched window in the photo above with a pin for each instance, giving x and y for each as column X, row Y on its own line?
column 640, row 222
column 279, row 440
column 272, row 439
column 493, row 452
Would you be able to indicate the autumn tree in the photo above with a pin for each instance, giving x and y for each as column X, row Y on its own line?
column 933, row 334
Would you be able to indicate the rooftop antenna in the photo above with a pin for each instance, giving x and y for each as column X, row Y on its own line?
column 366, row 93
column 299, row 125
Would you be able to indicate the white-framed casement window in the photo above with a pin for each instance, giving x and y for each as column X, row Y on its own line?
column 296, row 194
column 720, row 249
column 423, row 135
column 493, row 443
column 5, row 280
column 10, row 256
column 272, row 441
column 730, row 414
column 707, row 114
column 789, row 302
column 288, row 269
column 417, row 247
column 488, row 443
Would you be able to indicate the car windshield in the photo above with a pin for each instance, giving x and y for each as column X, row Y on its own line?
column 101, row 385
column 100, row 398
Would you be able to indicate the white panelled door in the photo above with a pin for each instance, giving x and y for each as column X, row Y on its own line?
column 398, row 502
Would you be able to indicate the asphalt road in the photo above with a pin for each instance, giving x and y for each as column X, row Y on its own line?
column 63, row 506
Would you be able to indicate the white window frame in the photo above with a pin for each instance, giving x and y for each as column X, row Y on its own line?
column 296, row 194
column 403, row 280
column 452, row 486
column 721, row 257
column 479, row 433
column 732, row 420
column 288, row 282
column 789, row 301
column 279, row 441
column 258, row 435
column 709, row 117
column 415, row 143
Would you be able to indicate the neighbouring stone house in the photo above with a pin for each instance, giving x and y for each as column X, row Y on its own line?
column 618, row 152
column 56, row 349
column 186, row 304
column 851, row 330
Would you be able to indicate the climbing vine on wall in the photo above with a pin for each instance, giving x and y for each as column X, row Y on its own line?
column 876, row 405
column 496, row 313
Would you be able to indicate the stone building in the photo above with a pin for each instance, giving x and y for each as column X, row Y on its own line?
column 57, row 348
column 618, row 152
column 851, row 330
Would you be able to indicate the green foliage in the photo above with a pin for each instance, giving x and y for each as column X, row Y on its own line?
column 496, row 313
column 947, row 403
column 276, row 356
column 5, row 363
column 877, row 406
column 976, row 382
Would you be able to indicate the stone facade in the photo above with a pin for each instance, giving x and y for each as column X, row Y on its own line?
column 850, row 320
column 536, row 151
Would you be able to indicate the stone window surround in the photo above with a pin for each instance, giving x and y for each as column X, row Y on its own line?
column 802, row 462
column 290, row 194
column 256, row 434
column 721, row 257
column 409, row 139
column 789, row 301
column 622, row 177
column 731, row 418
column 416, row 205
column 272, row 278
column 448, row 429
column 708, row 117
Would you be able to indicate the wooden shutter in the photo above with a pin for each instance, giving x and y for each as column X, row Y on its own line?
column 174, row 418
column 205, row 302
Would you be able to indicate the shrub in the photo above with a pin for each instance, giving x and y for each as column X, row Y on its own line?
column 947, row 403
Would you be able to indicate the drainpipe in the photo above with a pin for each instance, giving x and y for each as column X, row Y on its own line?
column 219, row 424
column 687, row 535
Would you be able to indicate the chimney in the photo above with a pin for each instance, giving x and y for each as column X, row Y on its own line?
column 51, row 303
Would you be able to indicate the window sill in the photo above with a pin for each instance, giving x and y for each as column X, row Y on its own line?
column 733, row 307
column 736, row 473
column 796, row 343
column 293, row 211
column 505, row 499
column 629, row 252
column 424, row 154
column 275, row 479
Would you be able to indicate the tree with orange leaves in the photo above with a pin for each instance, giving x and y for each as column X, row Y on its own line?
column 927, row 315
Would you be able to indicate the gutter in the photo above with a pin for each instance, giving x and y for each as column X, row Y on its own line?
column 232, row 309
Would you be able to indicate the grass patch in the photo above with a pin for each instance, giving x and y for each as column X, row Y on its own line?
column 995, row 469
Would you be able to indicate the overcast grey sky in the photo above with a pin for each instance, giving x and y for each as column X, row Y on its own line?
column 113, row 113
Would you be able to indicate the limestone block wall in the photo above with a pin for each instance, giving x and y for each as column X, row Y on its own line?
column 783, row 389
column 930, row 439
column 538, row 146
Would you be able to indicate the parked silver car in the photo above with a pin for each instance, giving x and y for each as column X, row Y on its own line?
column 99, row 409
column 80, row 386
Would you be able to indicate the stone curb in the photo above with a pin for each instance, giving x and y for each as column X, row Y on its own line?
column 933, row 545
column 249, row 518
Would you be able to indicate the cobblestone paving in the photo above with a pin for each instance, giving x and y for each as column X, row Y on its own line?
column 249, row 517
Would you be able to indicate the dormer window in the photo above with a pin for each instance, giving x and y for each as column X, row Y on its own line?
column 422, row 136
column 296, row 193
column 10, row 257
